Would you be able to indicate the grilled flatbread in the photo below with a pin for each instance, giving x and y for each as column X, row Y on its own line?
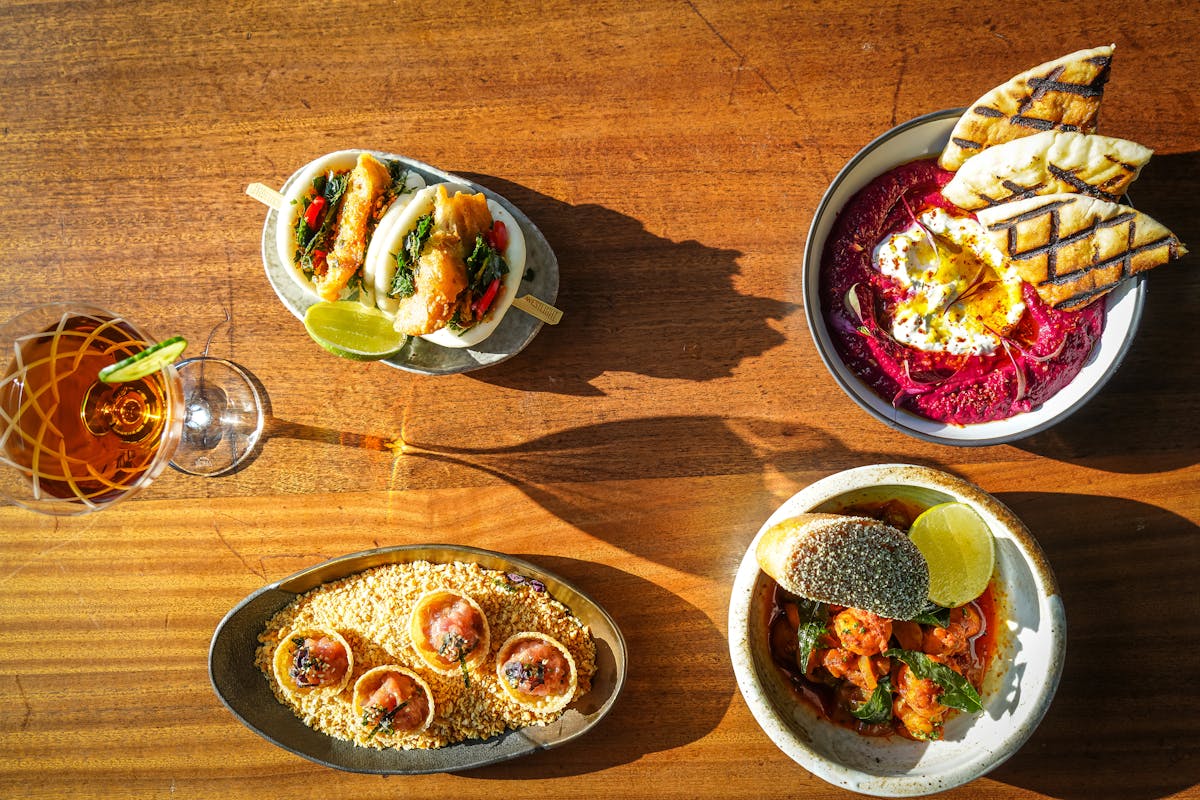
column 1050, row 162
column 1063, row 94
column 1075, row 249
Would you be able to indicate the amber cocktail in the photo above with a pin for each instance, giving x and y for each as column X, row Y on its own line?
column 71, row 443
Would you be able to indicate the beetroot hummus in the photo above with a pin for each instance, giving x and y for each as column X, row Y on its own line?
column 1034, row 359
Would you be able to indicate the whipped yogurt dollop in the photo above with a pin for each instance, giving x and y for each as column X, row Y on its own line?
column 960, row 294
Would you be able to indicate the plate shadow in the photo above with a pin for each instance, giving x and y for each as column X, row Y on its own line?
column 633, row 301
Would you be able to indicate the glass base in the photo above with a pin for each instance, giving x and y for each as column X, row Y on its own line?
column 224, row 417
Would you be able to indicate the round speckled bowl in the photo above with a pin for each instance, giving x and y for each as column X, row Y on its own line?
column 1017, row 689
column 920, row 138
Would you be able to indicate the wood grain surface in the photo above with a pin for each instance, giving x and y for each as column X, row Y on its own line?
column 673, row 154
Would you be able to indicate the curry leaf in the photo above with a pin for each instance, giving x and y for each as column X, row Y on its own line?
column 933, row 614
column 814, row 618
column 878, row 707
column 403, row 283
column 957, row 691
column 808, row 635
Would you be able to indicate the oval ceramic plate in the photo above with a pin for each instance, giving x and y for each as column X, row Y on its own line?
column 245, row 692
column 511, row 336
column 1016, row 691
column 919, row 138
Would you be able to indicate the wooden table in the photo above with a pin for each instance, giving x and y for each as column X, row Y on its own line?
column 673, row 155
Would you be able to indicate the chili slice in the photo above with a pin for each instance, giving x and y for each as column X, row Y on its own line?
column 485, row 301
column 497, row 236
column 313, row 212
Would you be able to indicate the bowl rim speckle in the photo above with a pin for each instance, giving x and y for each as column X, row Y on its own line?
column 1011, row 713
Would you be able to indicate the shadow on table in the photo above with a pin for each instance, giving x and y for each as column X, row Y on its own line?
column 633, row 301
column 679, row 682
column 602, row 478
column 1145, row 419
column 1125, row 722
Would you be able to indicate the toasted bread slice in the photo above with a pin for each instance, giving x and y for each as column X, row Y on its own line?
column 1063, row 94
column 1050, row 162
column 1075, row 249
column 849, row 561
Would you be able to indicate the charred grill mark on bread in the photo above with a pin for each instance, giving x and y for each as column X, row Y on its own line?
column 1018, row 192
column 1015, row 192
column 1063, row 94
column 1039, row 87
column 1056, row 244
column 1040, row 124
column 1081, row 186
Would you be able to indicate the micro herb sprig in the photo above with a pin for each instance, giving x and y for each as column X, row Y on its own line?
column 384, row 722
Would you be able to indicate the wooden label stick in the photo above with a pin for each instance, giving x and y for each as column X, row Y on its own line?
column 538, row 309
column 265, row 195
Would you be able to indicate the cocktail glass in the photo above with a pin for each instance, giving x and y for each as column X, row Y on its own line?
column 71, row 444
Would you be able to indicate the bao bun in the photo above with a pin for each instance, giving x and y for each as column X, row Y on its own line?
column 380, row 265
column 301, row 185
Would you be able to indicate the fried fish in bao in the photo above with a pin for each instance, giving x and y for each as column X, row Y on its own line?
column 368, row 181
column 848, row 561
column 1075, row 249
column 447, row 265
column 441, row 268
column 329, row 215
column 1051, row 162
column 1063, row 94
column 313, row 660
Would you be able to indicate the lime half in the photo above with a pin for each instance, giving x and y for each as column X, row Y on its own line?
column 147, row 362
column 958, row 546
column 351, row 330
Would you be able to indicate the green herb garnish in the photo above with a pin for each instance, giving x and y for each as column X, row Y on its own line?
column 454, row 648
column 484, row 265
column 403, row 283
column 814, row 623
column 957, row 691
column 385, row 718
column 399, row 175
column 309, row 242
column 933, row 614
column 878, row 707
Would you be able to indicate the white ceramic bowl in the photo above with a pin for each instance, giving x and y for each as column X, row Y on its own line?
column 1017, row 689
column 918, row 138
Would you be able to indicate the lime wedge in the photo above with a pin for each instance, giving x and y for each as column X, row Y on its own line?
column 349, row 329
column 147, row 362
column 958, row 546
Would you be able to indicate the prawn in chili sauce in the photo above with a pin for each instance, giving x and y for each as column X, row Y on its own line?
column 850, row 664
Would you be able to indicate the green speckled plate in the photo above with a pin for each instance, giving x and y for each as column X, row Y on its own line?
column 511, row 336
